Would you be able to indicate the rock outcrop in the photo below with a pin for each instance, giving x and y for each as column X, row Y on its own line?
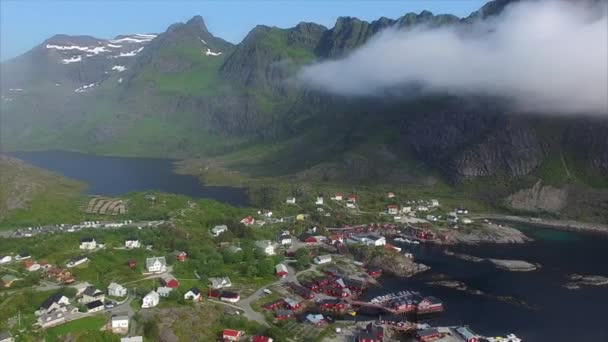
column 539, row 198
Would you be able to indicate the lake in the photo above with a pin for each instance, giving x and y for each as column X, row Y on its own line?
column 559, row 314
column 112, row 176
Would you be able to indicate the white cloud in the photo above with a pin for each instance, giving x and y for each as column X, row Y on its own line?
column 548, row 56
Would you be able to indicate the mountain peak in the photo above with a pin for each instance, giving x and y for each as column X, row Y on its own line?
column 198, row 22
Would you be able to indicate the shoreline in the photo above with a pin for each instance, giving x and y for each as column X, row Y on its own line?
column 565, row 225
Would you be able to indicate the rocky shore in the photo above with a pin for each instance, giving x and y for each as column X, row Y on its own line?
column 551, row 223
column 514, row 265
column 442, row 280
column 577, row 281
column 509, row 265
column 390, row 262
column 488, row 233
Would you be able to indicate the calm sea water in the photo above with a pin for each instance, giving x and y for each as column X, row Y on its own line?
column 117, row 175
column 559, row 314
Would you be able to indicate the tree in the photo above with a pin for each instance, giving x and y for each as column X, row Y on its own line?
column 302, row 258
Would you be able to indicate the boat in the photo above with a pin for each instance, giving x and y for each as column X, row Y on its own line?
column 400, row 239
column 509, row 338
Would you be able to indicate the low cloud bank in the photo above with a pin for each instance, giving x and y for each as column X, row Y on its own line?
column 546, row 56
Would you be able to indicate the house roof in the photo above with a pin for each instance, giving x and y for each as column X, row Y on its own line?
column 150, row 261
column 8, row 278
column 87, row 239
column 5, row 335
column 78, row 258
column 230, row 295
column 94, row 304
column 164, row 290
column 92, row 291
column 121, row 317
column 115, row 286
column 427, row 332
column 291, row 301
column 315, row 319
column 259, row 338
column 54, row 298
column 220, row 228
column 232, row 333
column 132, row 339
column 195, row 291
column 152, row 294
column 132, row 239
column 284, row 313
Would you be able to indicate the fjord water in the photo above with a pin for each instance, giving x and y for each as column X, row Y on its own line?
column 113, row 176
column 557, row 313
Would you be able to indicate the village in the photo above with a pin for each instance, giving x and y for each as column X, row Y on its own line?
column 309, row 279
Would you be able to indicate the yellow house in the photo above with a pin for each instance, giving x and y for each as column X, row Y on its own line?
column 300, row 217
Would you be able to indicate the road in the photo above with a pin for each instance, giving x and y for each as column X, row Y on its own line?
column 245, row 304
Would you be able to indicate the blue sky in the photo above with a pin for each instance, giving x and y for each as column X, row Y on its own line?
column 25, row 23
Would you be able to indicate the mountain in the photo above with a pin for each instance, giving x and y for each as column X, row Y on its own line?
column 186, row 93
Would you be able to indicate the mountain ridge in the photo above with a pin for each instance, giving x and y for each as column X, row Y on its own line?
column 187, row 93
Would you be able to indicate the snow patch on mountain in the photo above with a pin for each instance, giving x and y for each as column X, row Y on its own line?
column 84, row 88
column 74, row 59
column 119, row 68
column 211, row 53
column 129, row 54
column 114, row 46
column 136, row 38
column 203, row 41
column 15, row 89
column 91, row 50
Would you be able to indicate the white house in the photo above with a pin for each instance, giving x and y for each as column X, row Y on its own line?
column 120, row 323
column 88, row 243
column 291, row 200
column 156, row 264
column 350, row 205
column 33, row 267
column 322, row 259
column 431, row 217
column 193, row 294
column 164, row 291
column 284, row 239
column 5, row 259
column 266, row 246
column 22, row 256
column 434, row 203
column 77, row 261
column 319, row 200
column 462, row 211
column 369, row 239
column 92, row 294
column 406, row 209
column 392, row 209
column 220, row 283
column 467, row 220
column 150, row 300
column 422, row 208
column 218, row 230
column 337, row 197
column 132, row 243
column 117, row 290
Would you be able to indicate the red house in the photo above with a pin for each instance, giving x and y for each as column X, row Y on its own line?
column 214, row 294
column 259, row 338
column 352, row 198
column 292, row 303
column 374, row 272
column 283, row 314
column 132, row 263
column 248, row 221
column 281, row 270
column 428, row 335
column 232, row 335
column 332, row 304
column 169, row 281
column 274, row 305
column 181, row 256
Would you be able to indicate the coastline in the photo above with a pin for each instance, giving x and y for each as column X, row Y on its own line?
column 565, row 225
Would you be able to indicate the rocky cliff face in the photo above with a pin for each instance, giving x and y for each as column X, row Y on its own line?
column 539, row 198
column 186, row 87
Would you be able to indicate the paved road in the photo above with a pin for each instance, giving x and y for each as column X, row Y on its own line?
column 245, row 304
